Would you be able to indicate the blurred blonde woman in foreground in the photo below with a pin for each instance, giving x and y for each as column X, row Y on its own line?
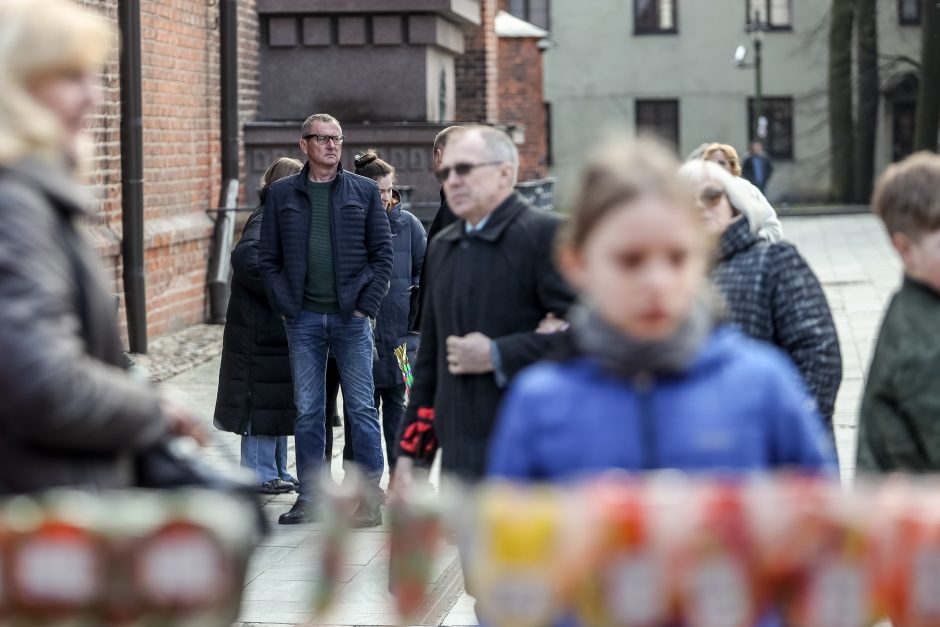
column 71, row 415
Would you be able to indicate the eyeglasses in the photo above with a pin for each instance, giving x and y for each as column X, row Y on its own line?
column 461, row 169
column 710, row 197
column 323, row 139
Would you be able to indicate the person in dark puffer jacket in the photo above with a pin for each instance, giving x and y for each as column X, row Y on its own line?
column 771, row 292
column 391, row 329
column 326, row 259
column 255, row 398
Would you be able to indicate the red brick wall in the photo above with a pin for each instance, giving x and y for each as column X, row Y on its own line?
column 476, row 70
column 180, row 59
column 520, row 101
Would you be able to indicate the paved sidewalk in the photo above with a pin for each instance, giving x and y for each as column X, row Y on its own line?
column 853, row 260
column 859, row 271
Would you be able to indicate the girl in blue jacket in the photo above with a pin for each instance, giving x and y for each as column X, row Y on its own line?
column 651, row 378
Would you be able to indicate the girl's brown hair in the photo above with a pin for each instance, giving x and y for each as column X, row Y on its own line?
column 621, row 172
column 369, row 165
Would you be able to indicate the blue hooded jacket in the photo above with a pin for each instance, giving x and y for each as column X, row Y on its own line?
column 740, row 407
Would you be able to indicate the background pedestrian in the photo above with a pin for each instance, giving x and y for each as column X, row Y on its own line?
column 326, row 260
column 255, row 397
column 757, row 167
column 391, row 327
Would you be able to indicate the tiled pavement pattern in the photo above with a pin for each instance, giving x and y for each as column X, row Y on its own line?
column 858, row 269
column 853, row 260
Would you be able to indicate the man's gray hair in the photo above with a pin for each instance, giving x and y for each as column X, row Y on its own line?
column 440, row 140
column 499, row 145
column 318, row 117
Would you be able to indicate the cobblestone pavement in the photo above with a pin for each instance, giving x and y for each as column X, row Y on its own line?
column 858, row 270
column 172, row 354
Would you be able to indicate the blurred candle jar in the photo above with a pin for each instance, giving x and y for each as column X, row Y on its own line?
column 518, row 553
column 57, row 560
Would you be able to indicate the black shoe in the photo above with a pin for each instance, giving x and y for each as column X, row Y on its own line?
column 368, row 515
column 336, row 421
column 274, row 486
column 300, row 513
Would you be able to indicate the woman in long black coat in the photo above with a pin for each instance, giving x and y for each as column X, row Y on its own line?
column 255, row 396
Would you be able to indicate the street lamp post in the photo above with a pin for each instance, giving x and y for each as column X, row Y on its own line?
column 756, row 27
column 758, row 83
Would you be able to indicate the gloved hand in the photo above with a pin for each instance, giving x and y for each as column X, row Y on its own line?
column 419, row 439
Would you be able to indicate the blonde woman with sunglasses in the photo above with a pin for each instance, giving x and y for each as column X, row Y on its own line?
column 771, row 292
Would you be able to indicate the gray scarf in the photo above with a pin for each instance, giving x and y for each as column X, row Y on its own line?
column 628, row 357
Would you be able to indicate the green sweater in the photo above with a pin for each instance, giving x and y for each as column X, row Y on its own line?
column 320, row 282
column 899, row 426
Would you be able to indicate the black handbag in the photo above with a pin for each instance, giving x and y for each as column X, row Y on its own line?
column 168, row 465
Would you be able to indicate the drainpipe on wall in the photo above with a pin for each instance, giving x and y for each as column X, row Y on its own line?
column 132, row 177
column 220, row 265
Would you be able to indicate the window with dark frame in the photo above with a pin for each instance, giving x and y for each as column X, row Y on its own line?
column 902, row 129
column 652, row 17
column 909, row 12
column 774, row 14
column 533, row 11
column 779, row 113
column 659, row 117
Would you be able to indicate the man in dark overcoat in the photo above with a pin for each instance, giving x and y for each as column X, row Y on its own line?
column 490, row 281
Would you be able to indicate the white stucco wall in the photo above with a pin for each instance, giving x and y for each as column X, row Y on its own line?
column 599, row 68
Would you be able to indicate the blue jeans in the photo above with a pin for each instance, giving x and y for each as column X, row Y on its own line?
column 311, row 337
column 391, row 400
column 266, row 455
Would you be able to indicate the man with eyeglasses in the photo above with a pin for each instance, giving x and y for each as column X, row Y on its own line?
column 326, row 258
column 491, row 281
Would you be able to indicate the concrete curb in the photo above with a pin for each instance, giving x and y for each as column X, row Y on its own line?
column 821, row 210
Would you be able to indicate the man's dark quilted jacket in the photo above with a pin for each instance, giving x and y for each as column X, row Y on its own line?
column 362, row 244
column 774, row 296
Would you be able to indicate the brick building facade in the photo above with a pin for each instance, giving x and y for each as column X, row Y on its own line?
column 520, row 78
column 181, row 136
column 499, row 79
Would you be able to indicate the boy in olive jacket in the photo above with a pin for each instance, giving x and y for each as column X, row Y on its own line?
column 899, row 427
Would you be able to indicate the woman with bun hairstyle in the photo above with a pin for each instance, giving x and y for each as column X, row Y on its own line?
column 409, row 242
column 652, row 378
column 771, row 292
column 256, row 394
